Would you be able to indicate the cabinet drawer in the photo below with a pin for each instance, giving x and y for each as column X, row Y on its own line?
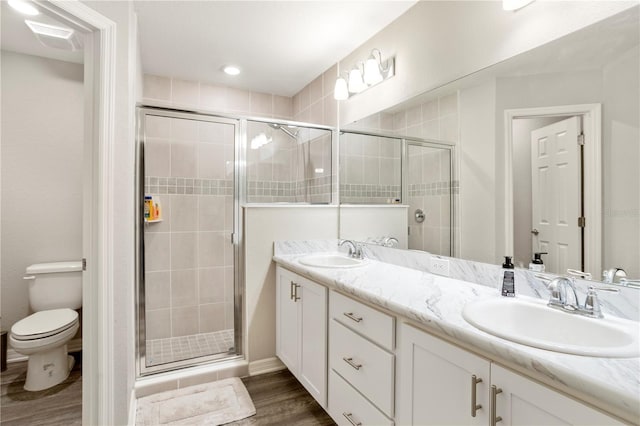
column 373, row 324
column 364, row 365
column 346, row 403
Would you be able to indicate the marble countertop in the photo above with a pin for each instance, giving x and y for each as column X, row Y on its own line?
column 612, row 384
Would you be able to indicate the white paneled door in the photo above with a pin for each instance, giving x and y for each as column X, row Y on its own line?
column 557, row 194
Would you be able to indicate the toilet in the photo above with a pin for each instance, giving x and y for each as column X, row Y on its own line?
column 55, row 292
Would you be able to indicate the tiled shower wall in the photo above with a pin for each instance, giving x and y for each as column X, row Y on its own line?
column 189, row 281
column 429, row 183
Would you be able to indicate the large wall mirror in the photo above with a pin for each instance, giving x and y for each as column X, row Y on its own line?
column 539, row 153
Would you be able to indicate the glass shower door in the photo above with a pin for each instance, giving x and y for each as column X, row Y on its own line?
column 187, row 299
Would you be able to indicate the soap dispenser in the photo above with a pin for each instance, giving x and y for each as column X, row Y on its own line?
column 508, row 278
column 536, row 263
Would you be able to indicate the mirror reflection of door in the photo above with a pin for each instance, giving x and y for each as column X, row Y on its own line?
column 557, row 195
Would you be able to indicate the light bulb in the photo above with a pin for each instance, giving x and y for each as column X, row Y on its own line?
column 341, row 91
column 356, row 85
column 372, row 74
column 231, row 70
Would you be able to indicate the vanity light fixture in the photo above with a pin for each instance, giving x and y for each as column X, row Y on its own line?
column 231, row 70
column 364, row 75
column 23, row 7
column 515, row 4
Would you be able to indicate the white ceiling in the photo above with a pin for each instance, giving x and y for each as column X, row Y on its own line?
column 280, row 45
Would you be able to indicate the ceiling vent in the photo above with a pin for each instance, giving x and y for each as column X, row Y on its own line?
column 55, row 36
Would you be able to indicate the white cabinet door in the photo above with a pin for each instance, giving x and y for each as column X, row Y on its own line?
column 301, row 331
column 313, row 340
column 435, row 382
column 287, row 333
column 524, row 402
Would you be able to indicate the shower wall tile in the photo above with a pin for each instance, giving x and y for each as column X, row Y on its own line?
column 157, row 87
column 157, row 290
column 211, row 213
column 184, row 321
column 184, row 247
column 282, row 107
column 184, row 157
column 157, row 249
column 229, row 291
column 212, row 285
column 215, row 98
column 157, row 127
column 261, row 104
column 212, row 317
column 228, row 315
column 157, row 157
column 211, row 249
column 185, row 92
column 212, row 97
column 184, row 209
column 158, row 323
column 184, row 130
column 184, row 287
column 210, row 158
column 329, row 80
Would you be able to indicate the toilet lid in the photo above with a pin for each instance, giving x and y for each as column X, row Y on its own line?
column 44, row 323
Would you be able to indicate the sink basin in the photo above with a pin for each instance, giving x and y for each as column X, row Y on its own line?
column 531, row 322
column 331, row 260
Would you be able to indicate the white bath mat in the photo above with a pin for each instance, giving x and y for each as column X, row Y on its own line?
column 214, row 403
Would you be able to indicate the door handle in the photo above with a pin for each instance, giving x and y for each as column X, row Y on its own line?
column 534, row 231
column 295, row 292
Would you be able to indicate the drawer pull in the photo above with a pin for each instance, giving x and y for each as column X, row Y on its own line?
column 295, row 292
column 349, row 417
column 492, row 408
column 474, row 405
column 351, row 316
column 351, row 363
column 291, row 290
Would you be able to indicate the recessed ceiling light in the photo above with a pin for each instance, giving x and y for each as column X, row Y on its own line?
column 49, row 30
column 24, row 7
column 231, row 70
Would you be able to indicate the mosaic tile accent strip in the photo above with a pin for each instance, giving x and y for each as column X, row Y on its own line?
column 178, row 185
column 162, row 351
column 370, row 190
column 434, row 188
column 316, row 190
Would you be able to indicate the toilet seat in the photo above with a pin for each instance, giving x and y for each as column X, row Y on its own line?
column 44, row 324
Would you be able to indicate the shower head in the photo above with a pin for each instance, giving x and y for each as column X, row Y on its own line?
column 285, row 129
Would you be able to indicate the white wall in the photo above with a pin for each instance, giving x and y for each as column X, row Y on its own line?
column 42, row 139
column 436, row 42
column 477, row 174
column 262, row 226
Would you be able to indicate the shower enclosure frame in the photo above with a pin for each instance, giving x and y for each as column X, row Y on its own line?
column 142, row 370
column 404, row 171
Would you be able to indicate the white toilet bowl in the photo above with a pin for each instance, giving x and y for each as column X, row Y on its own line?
column 43, row 336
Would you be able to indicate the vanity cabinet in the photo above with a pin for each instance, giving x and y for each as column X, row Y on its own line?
column 439, row 383
column 521, row 401
column 301, row 331
column 361, row 363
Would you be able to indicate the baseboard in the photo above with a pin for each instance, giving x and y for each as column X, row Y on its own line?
column 74, row 345
column 266, row 365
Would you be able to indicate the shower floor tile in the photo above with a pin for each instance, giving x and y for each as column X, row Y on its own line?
column 162, row 351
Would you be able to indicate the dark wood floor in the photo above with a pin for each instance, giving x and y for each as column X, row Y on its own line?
column 281, row 400
column 59, row 405
column 278, row 397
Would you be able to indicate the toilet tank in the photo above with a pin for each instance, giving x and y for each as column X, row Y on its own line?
column 55, row 285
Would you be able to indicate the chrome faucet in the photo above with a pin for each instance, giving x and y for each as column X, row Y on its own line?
column 564, row 297
column 613, row 275
column 390, row 242
column 355, row 250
